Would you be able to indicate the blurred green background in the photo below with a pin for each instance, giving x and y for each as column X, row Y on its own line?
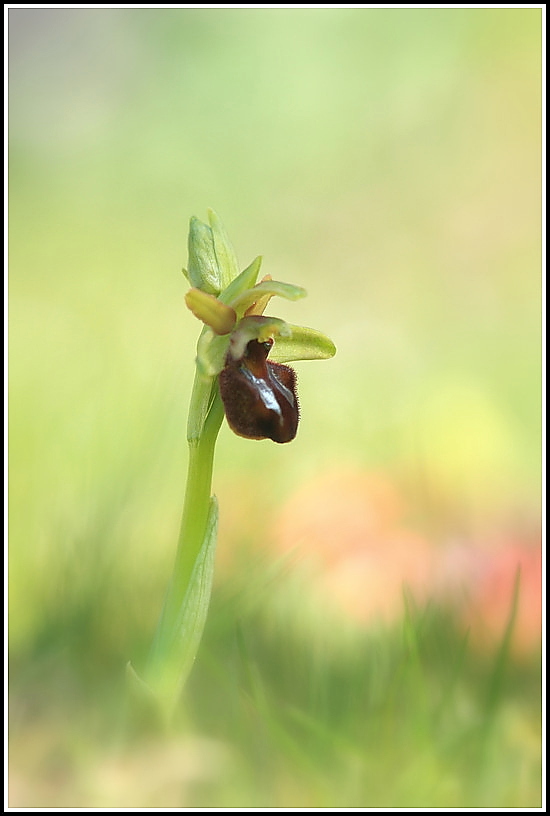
column 363, row 647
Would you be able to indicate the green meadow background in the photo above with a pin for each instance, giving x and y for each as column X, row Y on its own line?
column 374, row 634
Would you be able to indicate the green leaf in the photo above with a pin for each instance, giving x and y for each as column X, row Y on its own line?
column 270, row 287
column 174, row 659
column 225, row 254
column 303, row 344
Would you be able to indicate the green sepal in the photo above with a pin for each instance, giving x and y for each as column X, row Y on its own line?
column 225, row 254
column 202, row 268
column 204, row 391
column 242, row 282
column 302, row 344
column 211, row 353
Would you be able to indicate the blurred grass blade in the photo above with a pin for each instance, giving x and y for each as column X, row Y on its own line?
column 496, row 679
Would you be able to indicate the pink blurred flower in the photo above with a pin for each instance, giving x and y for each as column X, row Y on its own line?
column 346, row 526
column 478, row 580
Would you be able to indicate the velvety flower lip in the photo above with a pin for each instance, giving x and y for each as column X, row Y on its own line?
column 259, row 396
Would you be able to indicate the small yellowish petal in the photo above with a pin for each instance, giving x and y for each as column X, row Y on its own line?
column 220, row 317
column 259, row 306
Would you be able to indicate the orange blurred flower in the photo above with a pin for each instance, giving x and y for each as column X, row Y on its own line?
column 345, row 526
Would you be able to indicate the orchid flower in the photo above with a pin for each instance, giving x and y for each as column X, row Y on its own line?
column 241, row 372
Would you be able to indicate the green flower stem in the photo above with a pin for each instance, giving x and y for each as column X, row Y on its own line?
column 195, row 509
column 184, row 611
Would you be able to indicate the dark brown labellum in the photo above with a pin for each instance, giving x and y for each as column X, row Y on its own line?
column 259, row 396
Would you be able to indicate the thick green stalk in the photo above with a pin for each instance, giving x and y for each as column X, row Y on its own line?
column 179, row 629
column 195, row 513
